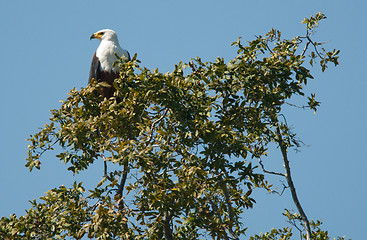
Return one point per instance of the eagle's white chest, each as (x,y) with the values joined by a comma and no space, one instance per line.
(106,55)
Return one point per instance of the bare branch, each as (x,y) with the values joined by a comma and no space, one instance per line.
(230,209)
(281,193)
(305,49)
(105,167)
(309,41)
(270,172)
(294,105)
(288,176)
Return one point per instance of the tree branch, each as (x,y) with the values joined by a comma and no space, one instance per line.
(305,49)
(314,44)
(168,235)
(155,123)
(230,209)
(294,105)
(269,172)
(215,208)
(120,189)
(288,176)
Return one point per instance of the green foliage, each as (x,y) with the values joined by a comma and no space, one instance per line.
(313,21)
(62,213)
(184,142)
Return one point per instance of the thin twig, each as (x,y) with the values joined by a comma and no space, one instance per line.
(105,167)
(309,40)
(269,172)
(305,49)
(155,123)
(281,193)
(94,206)
(49,147)
(294,105)
(294,223)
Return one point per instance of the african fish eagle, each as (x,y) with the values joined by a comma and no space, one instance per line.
(103,59)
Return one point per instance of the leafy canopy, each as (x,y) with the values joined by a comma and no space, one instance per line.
(183,143)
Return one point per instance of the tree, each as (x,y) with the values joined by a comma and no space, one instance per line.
(188,145)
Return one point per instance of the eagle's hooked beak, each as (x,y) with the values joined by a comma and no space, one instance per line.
(97,35)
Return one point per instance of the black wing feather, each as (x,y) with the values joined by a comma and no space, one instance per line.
(95,69)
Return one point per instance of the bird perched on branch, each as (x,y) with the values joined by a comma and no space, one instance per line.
(102,63)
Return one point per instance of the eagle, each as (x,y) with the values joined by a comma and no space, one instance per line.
(102,68)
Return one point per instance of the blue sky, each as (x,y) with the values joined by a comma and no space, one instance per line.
(45,52)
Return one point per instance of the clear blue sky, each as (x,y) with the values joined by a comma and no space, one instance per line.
(45,52)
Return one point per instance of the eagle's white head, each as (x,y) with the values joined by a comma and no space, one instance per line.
(105,34)
(108,48)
